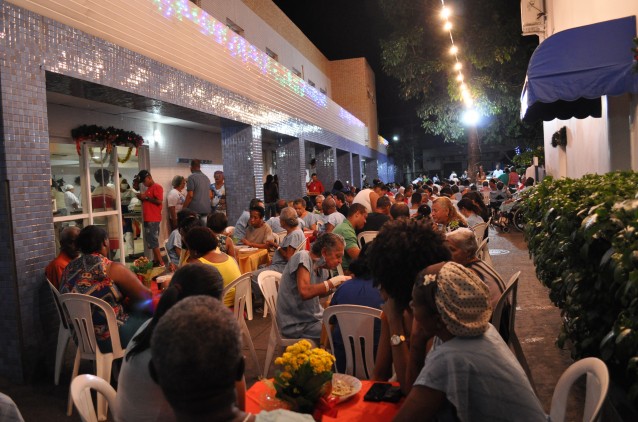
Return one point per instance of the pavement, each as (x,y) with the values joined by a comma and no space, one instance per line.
(537,325)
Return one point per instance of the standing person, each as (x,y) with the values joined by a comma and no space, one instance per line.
(198,194)
(218,190)
(103,199)
(271,195)
(71,201)
(315,187)
(480,175)
(68,252)
(505,176)
(175,200)
(152,214)
(513,179)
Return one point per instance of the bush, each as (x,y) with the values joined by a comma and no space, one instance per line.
(583,236)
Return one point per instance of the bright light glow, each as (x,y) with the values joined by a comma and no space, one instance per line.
(470,117)
(395,138)
(454,49)
(447,26)
(459,77)
(469,102)
(458,66)
(446,12)
(157,135)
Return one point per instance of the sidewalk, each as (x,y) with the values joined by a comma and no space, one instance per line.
(537,325)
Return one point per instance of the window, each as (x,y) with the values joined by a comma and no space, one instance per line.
(296,71)
(272,54)
(234,27)
(323,90)
(311,83)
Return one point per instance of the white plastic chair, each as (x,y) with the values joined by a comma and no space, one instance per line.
(367,236)
(81,387)
(356,323)
(229,231)
(280,236)
(302,246)
(597,387)
(269,284)
(64,333)
(483,252)
(479,232)
(80,310)
(243,290)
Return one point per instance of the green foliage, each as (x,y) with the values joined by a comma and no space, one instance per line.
(525,158)
(584,241)
(494,54)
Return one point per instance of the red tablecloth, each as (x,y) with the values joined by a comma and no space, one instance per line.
(310,237)
(354,409)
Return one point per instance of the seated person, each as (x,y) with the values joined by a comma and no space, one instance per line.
(309,219)
(303,280)
(470,211)
(202,247)
(95,275)
(444,214)
(218,222)
(139,398)
(332,218)
(381,214)
(258,234)
(357,291)
(469,373)
(399,210)
(402,248)
(498,196)
(317,209)
(68,252)
(243,221)
(197,387)
(357,215)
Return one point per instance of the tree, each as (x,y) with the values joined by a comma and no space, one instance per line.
(494,55)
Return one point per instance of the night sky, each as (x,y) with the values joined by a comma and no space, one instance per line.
(343,29)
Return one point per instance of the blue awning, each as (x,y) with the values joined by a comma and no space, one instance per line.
(572,69)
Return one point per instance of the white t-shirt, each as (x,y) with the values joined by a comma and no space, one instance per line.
(481,378)
(176,199)
(363,198)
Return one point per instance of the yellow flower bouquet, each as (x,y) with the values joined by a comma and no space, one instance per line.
(306,376)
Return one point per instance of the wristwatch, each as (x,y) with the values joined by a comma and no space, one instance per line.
(396,339)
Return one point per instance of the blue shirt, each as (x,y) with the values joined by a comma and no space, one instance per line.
(240,227)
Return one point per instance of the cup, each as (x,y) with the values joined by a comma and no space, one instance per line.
(163,281)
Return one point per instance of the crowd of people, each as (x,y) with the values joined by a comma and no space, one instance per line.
(421,270)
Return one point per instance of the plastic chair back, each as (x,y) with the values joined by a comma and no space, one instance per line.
(81,387)
(280,237)
(229,231)
(479,232)
(301,246)
(508,296)
(597,388)
(483,252)
(356,324)
(366,237)
(65,333)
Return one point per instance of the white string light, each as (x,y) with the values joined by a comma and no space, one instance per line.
(446,13)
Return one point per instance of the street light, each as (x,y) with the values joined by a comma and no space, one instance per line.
(395,138)
(470,117)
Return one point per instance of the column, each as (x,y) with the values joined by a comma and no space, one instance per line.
(372,171)
(356,170)
(243,166)
(291,168)
(344,167)
(326,166)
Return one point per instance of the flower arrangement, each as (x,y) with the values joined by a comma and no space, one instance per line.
(143,268)
(109,137)
(306,376)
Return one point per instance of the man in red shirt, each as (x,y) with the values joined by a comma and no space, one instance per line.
(314,186)
(152,212)
(68,252)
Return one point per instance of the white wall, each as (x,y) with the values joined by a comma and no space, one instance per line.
(176,142)
(588,140)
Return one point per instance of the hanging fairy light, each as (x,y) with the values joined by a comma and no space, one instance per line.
(466,96)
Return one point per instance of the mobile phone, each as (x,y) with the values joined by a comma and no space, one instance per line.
(393,395)
(377,391)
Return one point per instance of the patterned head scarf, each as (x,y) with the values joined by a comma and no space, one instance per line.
(462,300)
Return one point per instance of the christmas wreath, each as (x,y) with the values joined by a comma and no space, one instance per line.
(108,137)
(559,138)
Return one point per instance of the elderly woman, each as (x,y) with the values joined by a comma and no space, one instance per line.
(445,214)
(463,246)
(202,247)
(470,211)
(304,279)
(470,373)
(175,199)
(402,248)
(139,398)
(258,233)
(95,275)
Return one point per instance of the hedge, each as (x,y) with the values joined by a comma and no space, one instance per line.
(583,237)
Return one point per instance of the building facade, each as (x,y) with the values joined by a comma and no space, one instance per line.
(182,78)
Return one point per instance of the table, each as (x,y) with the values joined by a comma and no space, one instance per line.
(250,261)
(354,409)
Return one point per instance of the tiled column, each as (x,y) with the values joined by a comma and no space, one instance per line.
(344,167)
(326,166)
(356,170)
(243,166)
(291,168)
(382,171)
(372,171)
(27,242)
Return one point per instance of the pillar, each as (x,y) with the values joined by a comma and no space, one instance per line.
(291,168)
(326,166)
(344,167)
(372,170)
(356,170)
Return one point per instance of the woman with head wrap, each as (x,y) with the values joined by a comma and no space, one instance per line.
(470,373)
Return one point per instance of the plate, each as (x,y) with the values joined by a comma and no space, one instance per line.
(349,381)
(248,249)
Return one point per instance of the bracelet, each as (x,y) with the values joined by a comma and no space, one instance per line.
(325,283)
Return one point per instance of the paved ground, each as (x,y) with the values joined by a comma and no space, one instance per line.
(537,324)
